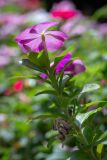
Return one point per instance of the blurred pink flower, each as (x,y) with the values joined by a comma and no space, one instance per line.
(9,23)
(102,29)
(5,55)
(64,10)
(4,61)
(31,38)
(15,19)
(77,26)
(43,75)
(2,3)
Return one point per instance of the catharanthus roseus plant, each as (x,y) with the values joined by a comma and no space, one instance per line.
(72,118)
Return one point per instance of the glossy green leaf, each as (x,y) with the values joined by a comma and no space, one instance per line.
(90,87)
(38,59)
(27,63)
(93,103)
(102,138)
(88,133)
(81,118)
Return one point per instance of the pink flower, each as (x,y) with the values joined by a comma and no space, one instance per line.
(77,26)
(18,86)
(31,38)
(9,23)
(14,19)
(102,29)
(64,14)
(5,55)
(64,10)
(62,63)
(43,75)
(75,67)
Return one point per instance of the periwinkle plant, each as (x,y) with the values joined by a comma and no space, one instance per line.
(71,118)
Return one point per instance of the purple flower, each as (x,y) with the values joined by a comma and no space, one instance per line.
(31,38)
(62,63)
(75,67)
(43,75)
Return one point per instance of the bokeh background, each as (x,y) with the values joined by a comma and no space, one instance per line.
(24,138)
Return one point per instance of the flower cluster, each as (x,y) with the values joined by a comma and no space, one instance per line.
(39,37)
(75,67)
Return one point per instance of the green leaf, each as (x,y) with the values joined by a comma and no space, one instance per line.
(79,155)
(102,138)
(39,59)
(88,133)
(93,103)
(26,62)
(100,13)
(33,58)
(81,118)
(51,134)
(90,87)
(45,116)
(99,148)
(53,92)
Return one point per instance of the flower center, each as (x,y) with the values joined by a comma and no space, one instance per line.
(42,33)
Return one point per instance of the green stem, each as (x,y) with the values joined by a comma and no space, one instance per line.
(92,153)
(46,51)
(51,76)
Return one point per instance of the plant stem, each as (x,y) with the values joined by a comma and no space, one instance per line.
(51,76)
(92,153)
(46,51)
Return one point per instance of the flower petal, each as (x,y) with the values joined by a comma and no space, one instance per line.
(26,35)
(57,34)
(76,67)
(35,45)
(62,63)
(53,43)
(43,75)
(42,27)
(23,47)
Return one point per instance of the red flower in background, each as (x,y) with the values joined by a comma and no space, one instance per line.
(18,86)
(64,14)
(64,10)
